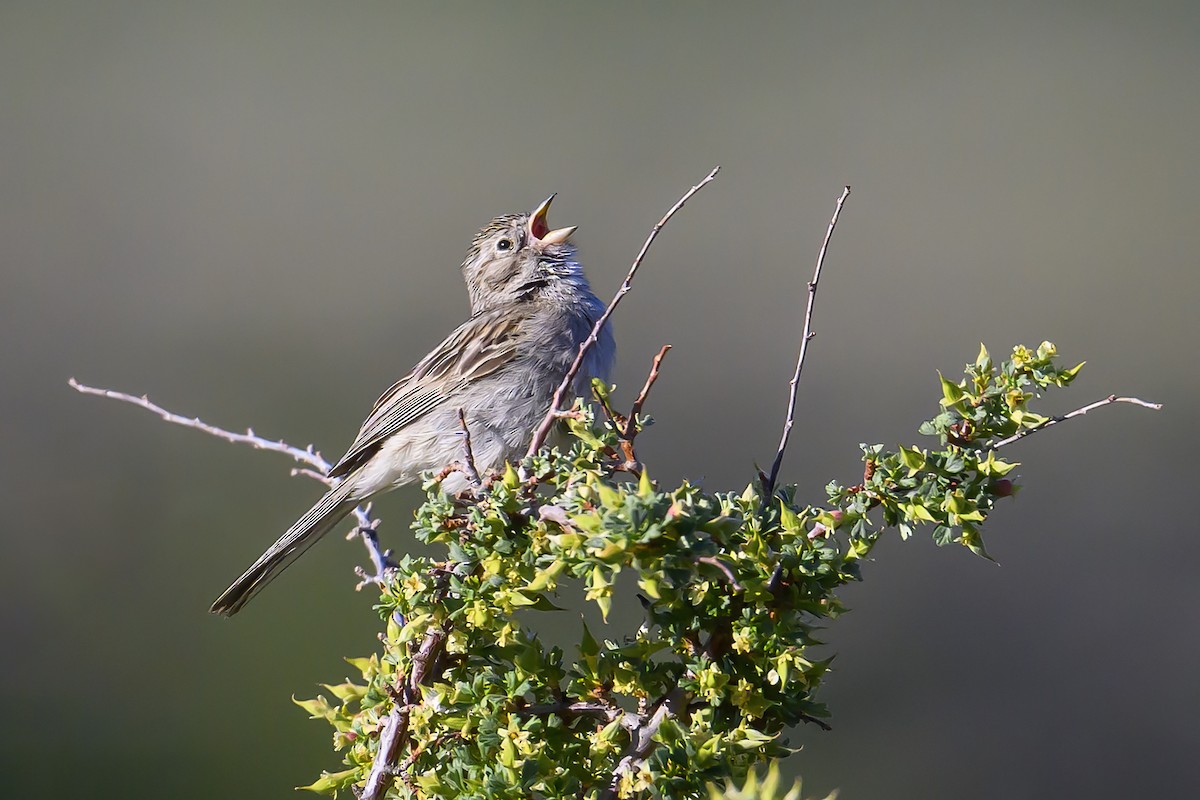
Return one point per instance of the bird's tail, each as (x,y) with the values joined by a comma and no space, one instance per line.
(319,520)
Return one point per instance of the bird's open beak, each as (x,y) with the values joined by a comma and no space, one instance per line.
(539,229)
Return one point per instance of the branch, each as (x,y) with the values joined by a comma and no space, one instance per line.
(631,423)
(406,693)
(1079,412)
(769,488)
(626,427)
(642,742)
(316,467)
(307,456)
(367,530)
(392,736)
(543,430)
(567,708)
(468,464)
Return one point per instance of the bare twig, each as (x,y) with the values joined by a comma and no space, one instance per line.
(315,466)
(1079,412)
(627,427)
(309,473)
(631,423)
(307,456)
(468,460)
(769,488)
(381,560)
(543,430)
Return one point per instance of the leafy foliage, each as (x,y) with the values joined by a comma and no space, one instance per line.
(734,587)
(766,789)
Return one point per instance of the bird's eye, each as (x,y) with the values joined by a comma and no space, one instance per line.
(504,244)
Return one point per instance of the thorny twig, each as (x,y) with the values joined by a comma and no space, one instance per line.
(631,423)
(1079,412)
(315,467)
(769,487)
(543,430)
(307,456)
(381,560)
(626,427)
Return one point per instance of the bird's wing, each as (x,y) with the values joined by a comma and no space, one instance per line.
(476,349)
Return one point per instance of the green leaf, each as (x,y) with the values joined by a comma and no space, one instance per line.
(548,577)
(331,782)
(984,359)
(740,647)
(788,519)
(645,486)
(604,603)
(367,666)
(952,393)
(1068,375)
(346,691)
(317,708)
(609,497)
(913,459)
(650,585)
(542,603)
(707,752)
(994,467)
(588,646)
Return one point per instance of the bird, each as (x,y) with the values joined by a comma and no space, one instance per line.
(531,309)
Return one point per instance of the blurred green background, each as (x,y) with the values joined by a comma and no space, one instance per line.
(255,213)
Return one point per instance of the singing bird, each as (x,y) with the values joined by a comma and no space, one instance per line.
(531,309)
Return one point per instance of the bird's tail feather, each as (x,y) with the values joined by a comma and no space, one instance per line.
(319,520)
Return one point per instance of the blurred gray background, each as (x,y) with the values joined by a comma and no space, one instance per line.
(255,213)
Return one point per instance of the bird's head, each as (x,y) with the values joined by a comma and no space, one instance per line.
(514,255)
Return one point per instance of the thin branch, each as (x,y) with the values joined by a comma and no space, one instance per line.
(769,488)
(543,430)
(392,737)
(610,413)
(309,473)
(568,708)
(631,423)
(626,427)
(307,456)
(1079,412)
(468,460)
(425,664)
(642,743)
(316,467)
(381,560)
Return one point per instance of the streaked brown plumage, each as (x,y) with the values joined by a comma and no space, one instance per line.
(531,309)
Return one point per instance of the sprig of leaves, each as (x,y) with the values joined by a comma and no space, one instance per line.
(734,592)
